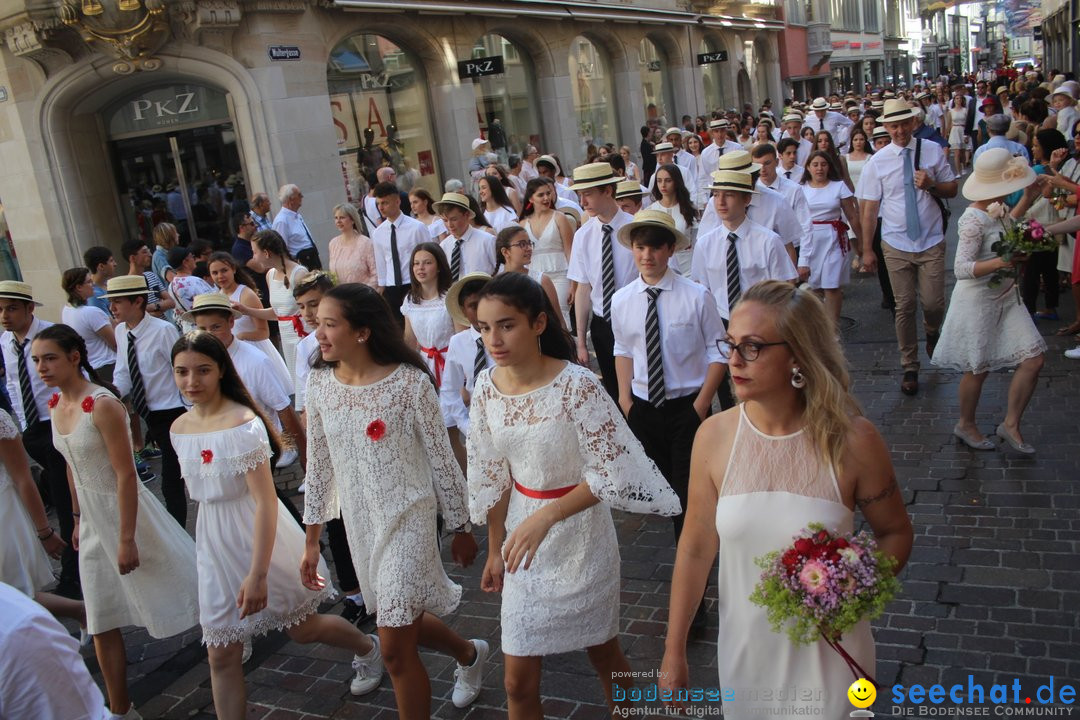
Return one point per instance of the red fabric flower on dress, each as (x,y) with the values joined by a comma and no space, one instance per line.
(54,400)
(207,456)
(88,404)
(376,430)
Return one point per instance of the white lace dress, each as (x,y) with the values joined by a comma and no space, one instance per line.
(774,487)
(285,306)
(986,328)
(554,437)
(159,595)
(245,324)
(215,466)
(549,259)
(433,328)
(24,564)
(379,456)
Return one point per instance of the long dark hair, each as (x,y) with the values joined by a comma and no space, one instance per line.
(72,279)
(527,207)
(429,202)
(240,274)
(868,147)
(686,205)
(497,191)
(232,386)
(416,292)
(71,341)
(478,213)
(834,172)
(365,308)
(521,292)
(270,241)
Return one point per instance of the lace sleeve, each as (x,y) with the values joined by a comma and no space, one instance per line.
(321,500)
(451,492)
(618,471)
(489,471)
(8,428)
(970,230)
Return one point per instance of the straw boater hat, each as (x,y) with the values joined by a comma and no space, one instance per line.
(880,132)
(628,188)
(572,212)
(996,174)
(738,161)
(218,302)
(126,286)
(653,219)
(673,131)
(877,104)
(548,160)
(15,290)
(663,147)
(792,117)
(593,175)
(451,201)
(719,124)
(896,110)
(732,180)
(452,305)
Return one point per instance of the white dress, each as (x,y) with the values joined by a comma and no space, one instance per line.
(433,328)
(215,465)
(500,218)
(985,328)
(159,595)
(774,487)
(549,259)
(682,257)
(24,564)
(829,268)
(379,457)
(245,324)
(285,305)
(557,436)
(957,139)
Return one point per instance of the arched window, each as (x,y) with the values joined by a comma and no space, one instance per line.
(655,85)
(711,75)
(594,95)
(505,103)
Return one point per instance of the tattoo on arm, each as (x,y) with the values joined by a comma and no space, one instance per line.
(886,493)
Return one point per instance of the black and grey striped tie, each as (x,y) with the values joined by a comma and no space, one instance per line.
(138,389)
(734,289)
(652,349)
(607,279)
(455,260)
(30,411)
(481,359)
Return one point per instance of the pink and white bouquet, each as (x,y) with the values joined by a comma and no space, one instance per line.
(1019,238)
(823,585)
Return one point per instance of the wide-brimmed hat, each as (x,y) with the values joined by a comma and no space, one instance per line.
(662,147)
(896,110)
(453,306)
(836,106)
(218,302)
(673,131)
(819,104)
(877,104)
(880,132)
(732,180)
(15,290)
(453,201)
(548,160)
(791,117)
(922,95)
(628,188)
(653,219)
(996,174)
(126,286)
(593,175)
(719,124)
(739,161)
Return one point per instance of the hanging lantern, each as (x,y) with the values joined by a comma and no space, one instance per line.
(92,8)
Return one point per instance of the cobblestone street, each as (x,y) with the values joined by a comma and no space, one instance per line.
(992,589)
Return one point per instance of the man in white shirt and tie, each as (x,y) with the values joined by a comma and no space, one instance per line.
(907,198)
(764,155)
(291,226)
(468,249)
(394,240)
(793,125)
(721,143)
(683,158)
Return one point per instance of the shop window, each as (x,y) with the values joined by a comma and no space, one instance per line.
(594,96)
(506,108)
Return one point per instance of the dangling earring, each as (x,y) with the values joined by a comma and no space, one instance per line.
(798,381)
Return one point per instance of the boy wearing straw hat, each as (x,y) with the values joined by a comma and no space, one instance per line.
(468,249)
(29,398)
(628,195)
(466,357)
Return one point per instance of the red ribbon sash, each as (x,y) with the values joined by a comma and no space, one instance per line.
(437,354)
(297,323)
(841,228)
(543,494)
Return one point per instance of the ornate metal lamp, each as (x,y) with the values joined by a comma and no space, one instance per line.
(129,30)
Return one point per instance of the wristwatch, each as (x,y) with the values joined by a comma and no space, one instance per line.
(467,527)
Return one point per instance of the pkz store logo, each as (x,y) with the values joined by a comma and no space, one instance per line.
(1052,699)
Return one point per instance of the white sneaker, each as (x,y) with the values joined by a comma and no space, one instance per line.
(247,652)
(131,714)
(467,679)
(369,670)
(1073,354)
(288,457)
(302,489)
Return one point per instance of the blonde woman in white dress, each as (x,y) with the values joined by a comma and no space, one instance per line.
(552,236)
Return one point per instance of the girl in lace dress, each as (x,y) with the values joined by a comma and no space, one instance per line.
(136,563)
(549,453)
(249,550)
(987,328)
(379,457)
(795,451)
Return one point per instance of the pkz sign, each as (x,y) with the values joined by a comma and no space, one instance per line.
(167,108)
(481,67)
(710,58)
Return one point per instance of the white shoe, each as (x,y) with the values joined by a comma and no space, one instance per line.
(288,457)
(467,679)
(247,652)
(131,714)
(1073,354)
(302,489)
(85,638)
(369,670)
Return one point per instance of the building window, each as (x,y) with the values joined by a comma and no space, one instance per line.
(712,76)
(871,16)
(507,98)
(796,12)
(594,96)
(655,87)
(845,14)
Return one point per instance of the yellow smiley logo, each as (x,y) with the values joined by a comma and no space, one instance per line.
(862,693)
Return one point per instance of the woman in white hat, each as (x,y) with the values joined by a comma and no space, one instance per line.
(987,328)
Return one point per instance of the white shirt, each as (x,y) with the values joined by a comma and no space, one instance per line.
(477,251)
(793,193)
(42,392)
(42,674)
(528,171)
(685,160)
(154,339)
(689,329)
(291,226)
(587,258)
(796,171)
(87,320)
(500,217)
(710,159)
(833,122)
(371,212)
(767,208)
(935,117)
(561,202)
(410,233)
(460,359)
(307,346)
(259,378)
(1066,118)
(566,193)
(882,180)
(761,257)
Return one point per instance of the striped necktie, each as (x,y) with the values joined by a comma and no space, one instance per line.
(653,352)
(481,359)
(138,389)
(30,411)
(455,260)
(607,279)
(734,289)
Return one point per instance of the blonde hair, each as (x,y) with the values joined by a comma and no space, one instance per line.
(165,235)
(803,323)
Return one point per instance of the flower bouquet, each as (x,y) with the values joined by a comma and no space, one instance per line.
(824,585)
(1018,238)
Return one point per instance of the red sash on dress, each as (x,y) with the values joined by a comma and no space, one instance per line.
(297,323)
(437,355)
(543,494)
(841,228)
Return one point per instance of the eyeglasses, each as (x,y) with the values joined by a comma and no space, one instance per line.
(748,349)
(523,244)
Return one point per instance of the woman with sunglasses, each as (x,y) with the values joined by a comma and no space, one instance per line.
(795,451)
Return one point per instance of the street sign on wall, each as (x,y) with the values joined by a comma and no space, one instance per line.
(481,67)
(713,57)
